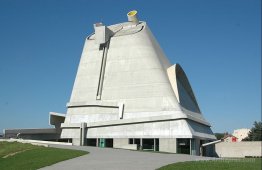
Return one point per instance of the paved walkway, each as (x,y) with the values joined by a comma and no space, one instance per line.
(119,159)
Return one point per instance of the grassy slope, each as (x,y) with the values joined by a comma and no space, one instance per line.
(240,164)
(34,158)
(12,147)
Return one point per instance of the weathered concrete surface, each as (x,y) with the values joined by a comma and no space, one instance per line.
(118,159)
(126,82)
(37,142)
(122,143)
(167,145)
(238,149)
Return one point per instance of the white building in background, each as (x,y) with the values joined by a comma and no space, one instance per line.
(241,134)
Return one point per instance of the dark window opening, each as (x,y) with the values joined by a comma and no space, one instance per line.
(91,142)
(183,146)
(109,143)
(137,141)
(203,148)
(130,141)
(148,144)
(157,144)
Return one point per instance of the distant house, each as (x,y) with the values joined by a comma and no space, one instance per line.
(229,138)
(241,134)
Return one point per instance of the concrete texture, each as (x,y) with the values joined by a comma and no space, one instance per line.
(238,149)
(118,159)
(118,143)
(36,142)
(135,74)
(125,87)
(167,145)
(128,68)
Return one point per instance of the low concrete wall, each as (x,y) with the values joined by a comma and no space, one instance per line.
(76,141)
(128,146)
(36,142)
(122,143)
(34,134)
(167,145)
(238,149)
(119,142)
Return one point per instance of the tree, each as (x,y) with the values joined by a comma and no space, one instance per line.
(220,135)
(255,132)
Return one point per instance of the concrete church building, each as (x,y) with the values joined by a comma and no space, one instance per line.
(128,95)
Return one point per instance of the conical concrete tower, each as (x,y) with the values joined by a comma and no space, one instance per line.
(127,94)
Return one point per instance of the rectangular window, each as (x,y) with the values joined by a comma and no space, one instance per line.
(137,141)
(91,141)
(183,146)
(130,141)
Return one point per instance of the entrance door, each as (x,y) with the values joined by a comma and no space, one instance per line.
(106,142)
(102,142)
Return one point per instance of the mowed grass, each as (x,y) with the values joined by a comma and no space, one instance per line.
(230,164)
(27,156)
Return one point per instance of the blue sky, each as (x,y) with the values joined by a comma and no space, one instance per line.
(217,42)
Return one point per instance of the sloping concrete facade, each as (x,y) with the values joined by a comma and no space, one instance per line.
(126,88)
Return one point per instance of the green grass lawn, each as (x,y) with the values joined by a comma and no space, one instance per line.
(27,156)
(230,164)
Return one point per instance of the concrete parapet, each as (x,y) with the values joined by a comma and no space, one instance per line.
(128,146)
(37,142)
(238,149)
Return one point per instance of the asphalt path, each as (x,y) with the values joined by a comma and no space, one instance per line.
(119,159)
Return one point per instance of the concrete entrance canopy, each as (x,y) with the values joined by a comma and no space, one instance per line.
(52,134)
(56,119)
(125,87)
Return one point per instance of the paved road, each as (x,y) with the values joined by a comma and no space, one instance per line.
(118,159)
